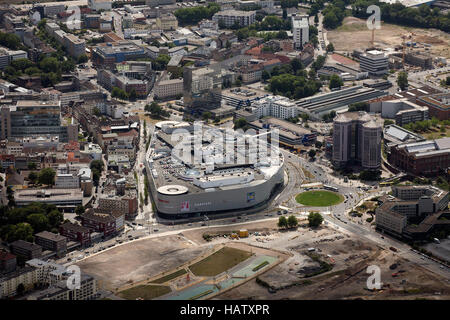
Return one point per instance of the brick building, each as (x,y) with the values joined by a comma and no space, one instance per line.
(25,250)
(75,232)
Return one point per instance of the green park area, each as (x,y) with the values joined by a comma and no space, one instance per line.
(319,198)
(170,276)
(219,262)
(146,292)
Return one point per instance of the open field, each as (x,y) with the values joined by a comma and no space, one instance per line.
(146,292)
(319,198)
(219,262)
(353,34)
(139,260)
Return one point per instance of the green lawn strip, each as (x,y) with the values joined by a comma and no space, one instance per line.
(201,295)
(169,276)
(260,266)
(319,198)
(146,292)
(219,262)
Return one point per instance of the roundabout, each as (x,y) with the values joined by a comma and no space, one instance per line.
(319,198)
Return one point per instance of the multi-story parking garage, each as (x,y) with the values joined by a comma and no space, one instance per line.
(181,187)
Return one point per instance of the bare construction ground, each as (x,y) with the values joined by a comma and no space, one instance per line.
(262,227)
(353,34)
(347,279)
(139,260)
(335,269)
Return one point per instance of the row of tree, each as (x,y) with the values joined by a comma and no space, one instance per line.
(315,219)
(290,222)
(421,17)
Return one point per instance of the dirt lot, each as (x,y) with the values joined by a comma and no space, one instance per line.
(265,226)
(139,260)
(347,279)
(353,34)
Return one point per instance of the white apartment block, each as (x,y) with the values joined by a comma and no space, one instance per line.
(67,181)
(9,282)
(74,45)
(169,88)
(230,17)
(60,291)
(47,272)
(7,56)
(393,221)
(300,30)
(275,106)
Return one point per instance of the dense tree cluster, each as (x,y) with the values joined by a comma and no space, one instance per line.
(116,92)
(290,222)
(22,223)
(292,81)
(334,14)
(425,125)
(422,17)
(359,106)
(335,81)
(370,175)
(49,69)
(318,64)
(196,14)
(155,110)
(289,3)
(269,23)
(402,80)
(161,62)
(315,219)
(316,7)
(97,168)
(10,40)
(241,123)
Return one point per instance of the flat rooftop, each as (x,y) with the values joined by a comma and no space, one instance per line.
(171,174)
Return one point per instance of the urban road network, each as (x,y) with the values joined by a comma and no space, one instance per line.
(149,225)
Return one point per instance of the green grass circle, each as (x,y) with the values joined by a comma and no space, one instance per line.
(319,198)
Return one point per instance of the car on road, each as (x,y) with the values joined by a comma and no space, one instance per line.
(234,220)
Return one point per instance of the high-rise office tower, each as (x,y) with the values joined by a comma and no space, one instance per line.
(356,139)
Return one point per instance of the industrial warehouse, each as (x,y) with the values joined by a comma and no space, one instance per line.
(181,188)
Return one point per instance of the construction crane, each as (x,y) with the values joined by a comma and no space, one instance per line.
(404,37)
(403,51)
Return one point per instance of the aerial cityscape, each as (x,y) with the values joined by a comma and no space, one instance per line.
(225,150)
